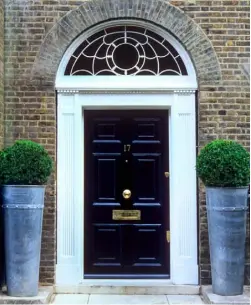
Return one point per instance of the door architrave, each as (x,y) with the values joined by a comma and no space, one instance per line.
(175,93)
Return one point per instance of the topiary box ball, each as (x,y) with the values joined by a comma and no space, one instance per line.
(25,163)
(224,163)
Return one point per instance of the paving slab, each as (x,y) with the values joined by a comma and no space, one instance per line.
(184,299)
(211,298)
(71,299)
(43,297)
(100,299)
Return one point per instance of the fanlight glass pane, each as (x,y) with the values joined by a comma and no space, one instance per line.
(125,50)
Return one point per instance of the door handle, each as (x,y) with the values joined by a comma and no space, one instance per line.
(126,194)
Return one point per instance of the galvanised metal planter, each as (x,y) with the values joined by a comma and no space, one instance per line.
(1,249)
(23,214)
(226,212)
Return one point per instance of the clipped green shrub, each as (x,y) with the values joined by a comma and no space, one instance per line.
(25,163)
(224,163)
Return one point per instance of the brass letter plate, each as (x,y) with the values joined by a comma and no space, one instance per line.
(126,214)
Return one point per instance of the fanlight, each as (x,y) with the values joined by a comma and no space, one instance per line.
(125,50)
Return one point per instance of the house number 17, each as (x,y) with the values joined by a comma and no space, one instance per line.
(127,147)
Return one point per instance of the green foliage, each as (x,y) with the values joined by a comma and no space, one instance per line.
(224,163)
(25,163)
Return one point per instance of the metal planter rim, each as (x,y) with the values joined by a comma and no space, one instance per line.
(24,185)
(227,187)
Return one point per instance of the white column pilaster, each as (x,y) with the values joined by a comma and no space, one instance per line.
(183,206)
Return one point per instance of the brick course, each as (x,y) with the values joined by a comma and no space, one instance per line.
(37,32)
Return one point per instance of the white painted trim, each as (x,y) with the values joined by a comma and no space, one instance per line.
(183,206)
(77,93)
(120,83)
(183,202)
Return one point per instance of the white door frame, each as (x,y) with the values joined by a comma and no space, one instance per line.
(79,93)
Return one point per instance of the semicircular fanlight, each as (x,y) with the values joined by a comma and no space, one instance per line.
(125,50)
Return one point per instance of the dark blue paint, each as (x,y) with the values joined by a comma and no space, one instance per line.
(126,150)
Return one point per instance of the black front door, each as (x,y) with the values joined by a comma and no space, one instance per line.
(126,194)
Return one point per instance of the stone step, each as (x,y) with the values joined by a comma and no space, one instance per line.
(113,299)
(129,289)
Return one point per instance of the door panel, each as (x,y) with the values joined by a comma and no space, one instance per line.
(103,255)
(143,254)
(126,150)
(106,170)
(145,178)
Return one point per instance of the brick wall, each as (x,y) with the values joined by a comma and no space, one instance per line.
(30,106)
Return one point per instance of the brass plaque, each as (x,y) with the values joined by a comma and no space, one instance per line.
(126,214)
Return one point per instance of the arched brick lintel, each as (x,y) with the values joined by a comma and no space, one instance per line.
(160,12)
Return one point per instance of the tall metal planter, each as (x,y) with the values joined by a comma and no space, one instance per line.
(23,214)
(226,212)
(2,268)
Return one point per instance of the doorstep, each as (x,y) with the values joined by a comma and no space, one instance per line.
(151,288)
(44,295)
(113,299)
(210,298)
